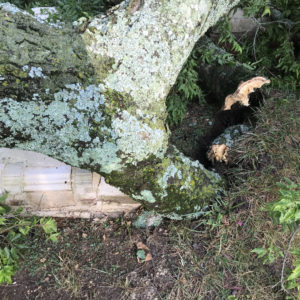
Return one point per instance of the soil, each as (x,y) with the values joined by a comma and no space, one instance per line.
(95,261)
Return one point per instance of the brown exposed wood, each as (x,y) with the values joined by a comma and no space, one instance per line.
(244,89)
(218,153)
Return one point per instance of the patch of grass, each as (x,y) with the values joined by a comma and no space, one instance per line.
(216,261)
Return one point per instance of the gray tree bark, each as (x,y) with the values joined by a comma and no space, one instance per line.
(94,96)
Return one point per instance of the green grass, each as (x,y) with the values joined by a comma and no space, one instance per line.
(225,266)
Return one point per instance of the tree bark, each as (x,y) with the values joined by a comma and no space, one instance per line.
(93,96)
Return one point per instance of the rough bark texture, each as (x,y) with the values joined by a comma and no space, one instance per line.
(96,99)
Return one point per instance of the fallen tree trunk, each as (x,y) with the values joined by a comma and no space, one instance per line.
(93,96)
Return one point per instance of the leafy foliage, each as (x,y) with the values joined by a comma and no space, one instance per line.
(185,90)
(274,48)
(269,254)
(227,37)
(285,211)
(295,274)
(13,232)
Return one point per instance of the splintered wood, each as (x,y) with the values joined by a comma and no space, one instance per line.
(243,91)
(219,153)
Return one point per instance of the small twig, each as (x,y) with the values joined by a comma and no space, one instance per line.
(254,40)
(261,24)
(9,228)
(285,258)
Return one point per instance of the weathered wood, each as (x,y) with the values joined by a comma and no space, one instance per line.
(94,96)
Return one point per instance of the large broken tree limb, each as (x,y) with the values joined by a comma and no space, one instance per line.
(94,96)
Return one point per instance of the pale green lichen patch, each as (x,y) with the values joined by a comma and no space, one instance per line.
(173,187)
(146,196)
(148,219)
(186,185)
(149,46)
(75,128)
(34,71)
(230,135)
(139,47)
(136,139)
(169,174)
(10,8)
(62,128)
(179,168)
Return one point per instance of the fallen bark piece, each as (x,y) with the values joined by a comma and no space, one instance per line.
(244,89)
(142,246)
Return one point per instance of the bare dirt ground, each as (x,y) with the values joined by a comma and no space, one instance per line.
(98,261)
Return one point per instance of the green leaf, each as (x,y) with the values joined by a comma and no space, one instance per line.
(295,274)
(297,215)
(291,284)
(53,237)
(260,252)
(3,197)
(296,263)
(25,230)
(267,11)
(6,273)
(15,237)
(2,210)
(7,252)
(49,226)
(295,252)
(18,210)
(141,254)
(270,258)
(14,253)
(21,246)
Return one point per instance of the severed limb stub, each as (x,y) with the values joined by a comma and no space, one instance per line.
(219,152)
(243,91)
